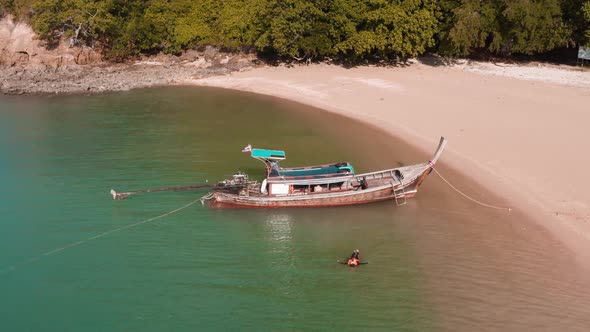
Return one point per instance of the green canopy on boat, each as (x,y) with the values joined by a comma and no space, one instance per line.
(272,155)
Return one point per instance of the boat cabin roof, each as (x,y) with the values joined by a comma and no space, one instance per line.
(269,155)
(301,181)
(277,173)
(325,172)
(315,171)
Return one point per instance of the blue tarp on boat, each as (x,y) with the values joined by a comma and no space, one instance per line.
(343,167)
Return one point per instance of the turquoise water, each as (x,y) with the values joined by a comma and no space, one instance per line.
(72,259)
(197,269)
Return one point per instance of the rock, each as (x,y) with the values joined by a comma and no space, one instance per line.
(189,56)
(27,67)
(19,45)
(210,53)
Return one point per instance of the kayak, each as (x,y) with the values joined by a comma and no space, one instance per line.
(353,262)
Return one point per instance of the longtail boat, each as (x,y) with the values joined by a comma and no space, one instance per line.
(315,186)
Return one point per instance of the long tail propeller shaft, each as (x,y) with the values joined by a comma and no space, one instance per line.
(119,196)
(220,186)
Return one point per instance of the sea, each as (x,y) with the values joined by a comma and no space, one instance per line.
(73,259)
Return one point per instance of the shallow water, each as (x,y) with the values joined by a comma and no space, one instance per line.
(438,263)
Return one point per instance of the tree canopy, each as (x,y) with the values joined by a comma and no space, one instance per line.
(349,30)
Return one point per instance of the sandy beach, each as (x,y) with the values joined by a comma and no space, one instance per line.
(519,131)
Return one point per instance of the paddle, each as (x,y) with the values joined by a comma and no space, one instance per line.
(346,263)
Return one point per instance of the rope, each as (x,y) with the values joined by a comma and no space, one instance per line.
(465,195)
(207,197)
(55,251)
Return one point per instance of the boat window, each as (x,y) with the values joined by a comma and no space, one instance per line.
(300,188)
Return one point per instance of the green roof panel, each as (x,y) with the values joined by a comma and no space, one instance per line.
(274,155)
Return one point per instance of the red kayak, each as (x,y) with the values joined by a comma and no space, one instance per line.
(352,262)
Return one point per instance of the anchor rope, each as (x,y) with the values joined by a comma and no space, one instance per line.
(207,197)
(73,244)
(465,195)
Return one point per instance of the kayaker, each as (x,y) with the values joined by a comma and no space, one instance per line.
(354,259)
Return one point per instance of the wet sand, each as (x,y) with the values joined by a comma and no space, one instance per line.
(512,143)
(521,139)
(483,269)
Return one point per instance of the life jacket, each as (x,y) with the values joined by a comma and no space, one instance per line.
(353,262)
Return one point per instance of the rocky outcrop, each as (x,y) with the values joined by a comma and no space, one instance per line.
(26,66)
(19,46)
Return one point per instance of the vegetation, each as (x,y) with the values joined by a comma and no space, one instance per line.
(586,13)
(347,30)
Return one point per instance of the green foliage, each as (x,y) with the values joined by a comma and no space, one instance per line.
(240,23)
(505,27)
(18,8)
(294,28)
(390,28)
(83,22)
(6,6)
(535,26)
(350,30)
(586,13)
(194,22)
(475,25)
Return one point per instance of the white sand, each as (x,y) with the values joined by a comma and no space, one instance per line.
(522,132)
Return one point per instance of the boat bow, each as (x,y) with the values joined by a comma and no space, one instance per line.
(441,146)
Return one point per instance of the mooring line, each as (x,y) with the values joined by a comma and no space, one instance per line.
(467,196)
(31,260)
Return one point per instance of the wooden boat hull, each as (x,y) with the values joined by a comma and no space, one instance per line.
(351,197)
(391,184)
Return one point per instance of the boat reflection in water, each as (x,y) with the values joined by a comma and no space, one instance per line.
(282,252)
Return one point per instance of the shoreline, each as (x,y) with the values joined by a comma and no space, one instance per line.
(67,79)
(483,109)
(27,67)
(506,134)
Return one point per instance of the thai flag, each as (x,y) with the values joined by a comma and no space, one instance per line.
(247,148)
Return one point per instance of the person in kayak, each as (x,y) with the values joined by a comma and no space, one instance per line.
(354,259)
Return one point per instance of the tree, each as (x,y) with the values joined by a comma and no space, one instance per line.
(586,11)
(351,30)
(194,22)
(472,25)
(535,26)
(504,27)
(82,22)
(391,28)
(296,29)
(240,23)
